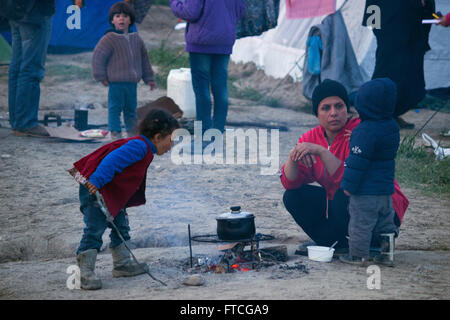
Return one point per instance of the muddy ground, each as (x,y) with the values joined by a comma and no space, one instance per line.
(41,225)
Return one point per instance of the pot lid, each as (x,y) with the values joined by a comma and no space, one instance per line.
(235,213)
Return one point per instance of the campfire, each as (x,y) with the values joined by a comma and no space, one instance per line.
(239,256)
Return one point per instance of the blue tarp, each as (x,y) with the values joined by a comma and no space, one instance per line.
(70,34)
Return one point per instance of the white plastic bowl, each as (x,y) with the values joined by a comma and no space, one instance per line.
(321,254)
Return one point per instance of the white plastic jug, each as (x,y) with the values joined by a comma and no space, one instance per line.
(179,88)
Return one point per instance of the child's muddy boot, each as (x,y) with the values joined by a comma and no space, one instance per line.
(124,266)
(86,262)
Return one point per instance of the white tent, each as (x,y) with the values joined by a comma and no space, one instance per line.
(280,51)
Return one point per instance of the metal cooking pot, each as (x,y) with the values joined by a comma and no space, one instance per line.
(235,225)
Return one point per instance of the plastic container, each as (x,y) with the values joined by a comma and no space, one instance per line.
(179,88)
(321,254)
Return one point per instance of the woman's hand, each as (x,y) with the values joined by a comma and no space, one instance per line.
(92,189)
(306,152)
(347,134)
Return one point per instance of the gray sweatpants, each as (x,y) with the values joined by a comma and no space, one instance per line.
(370,215)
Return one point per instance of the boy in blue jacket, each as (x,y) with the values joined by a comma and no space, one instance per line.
(370,168)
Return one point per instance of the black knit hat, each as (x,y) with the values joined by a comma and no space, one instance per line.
(328,88)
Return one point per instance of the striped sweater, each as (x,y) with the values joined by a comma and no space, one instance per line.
(121,58)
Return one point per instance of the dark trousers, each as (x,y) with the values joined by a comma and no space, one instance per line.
(122,97)
(96,224)
(308,204)
(370,216)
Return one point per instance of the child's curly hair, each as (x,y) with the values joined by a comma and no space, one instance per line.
(158,121)
(122,7)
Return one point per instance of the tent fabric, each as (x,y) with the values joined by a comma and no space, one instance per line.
(338,58)
(281,51)
(70,34)
(92,25)
(5,51)
(297,9)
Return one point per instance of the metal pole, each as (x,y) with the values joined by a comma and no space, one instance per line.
(190,246)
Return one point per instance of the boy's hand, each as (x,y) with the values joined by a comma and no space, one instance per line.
(152,85)
(105,83)
(348,194)
(92,189)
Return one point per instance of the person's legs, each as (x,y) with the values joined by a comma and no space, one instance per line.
(363,218)
(91,241)
(95,221)
(219,77)
(385,222)
(13,71)
(201,79)
(33,50)
(307,205)
(116,102)
(129,110)
(123,265)
(121,222)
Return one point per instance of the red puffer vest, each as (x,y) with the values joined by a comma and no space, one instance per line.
(127,189)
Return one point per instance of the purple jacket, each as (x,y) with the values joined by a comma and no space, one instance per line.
(211,23)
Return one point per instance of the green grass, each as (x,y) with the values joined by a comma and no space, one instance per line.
(67,72)
(251,94)
(416,167)
(433,103)
(167,59)
(162,2)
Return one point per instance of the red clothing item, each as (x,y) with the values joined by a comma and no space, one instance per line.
(340,149)
(447,19)
(127,189)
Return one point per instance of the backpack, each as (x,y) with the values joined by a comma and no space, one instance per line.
(15,9)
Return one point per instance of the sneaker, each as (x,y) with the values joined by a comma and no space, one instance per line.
(37,131)
(403,124)
(116,135)
(358,261)
(303,248)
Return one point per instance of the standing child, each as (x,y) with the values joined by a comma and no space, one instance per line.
(119,61)
(118,170)
(370,168)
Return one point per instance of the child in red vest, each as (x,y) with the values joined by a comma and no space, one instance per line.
(118,170)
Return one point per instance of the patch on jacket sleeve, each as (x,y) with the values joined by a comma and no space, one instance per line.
(356,150)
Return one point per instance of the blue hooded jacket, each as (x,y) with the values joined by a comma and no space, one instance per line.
(370,166)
